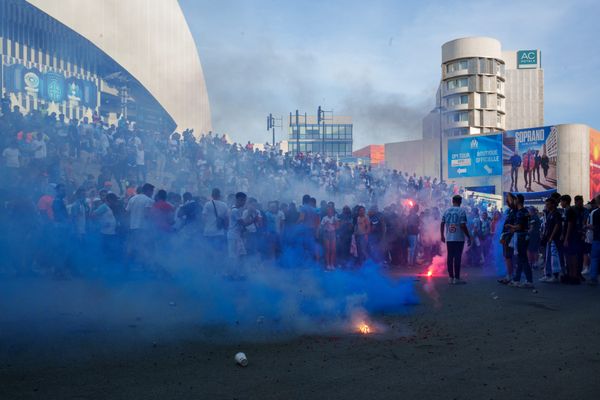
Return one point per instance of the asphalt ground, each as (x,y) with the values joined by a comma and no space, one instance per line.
(480,340)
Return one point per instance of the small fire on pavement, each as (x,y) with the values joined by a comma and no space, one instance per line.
(364,329)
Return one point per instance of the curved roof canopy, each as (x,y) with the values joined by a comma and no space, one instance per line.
(152,41)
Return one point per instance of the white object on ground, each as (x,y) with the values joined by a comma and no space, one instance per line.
(241,359)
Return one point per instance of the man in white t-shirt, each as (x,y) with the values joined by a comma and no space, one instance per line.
(39,147)
(454,230)
(215,215)
(138,208)
(12,156)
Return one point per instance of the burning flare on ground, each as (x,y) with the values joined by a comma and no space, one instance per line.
(364,328)
(430,273)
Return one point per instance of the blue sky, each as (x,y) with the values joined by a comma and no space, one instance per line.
(379,61)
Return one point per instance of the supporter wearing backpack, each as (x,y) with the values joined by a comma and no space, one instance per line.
(215,216)
(520,228)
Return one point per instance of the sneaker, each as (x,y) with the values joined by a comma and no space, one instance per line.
(458,281)
(544,278)
(551,279)
(514,284)
(503,281)
(526,285)
(450,281)
(586,271)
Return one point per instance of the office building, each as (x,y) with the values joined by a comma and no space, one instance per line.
(330,136)
(524,89)
(484,89)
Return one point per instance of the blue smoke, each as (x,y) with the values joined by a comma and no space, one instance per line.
(186,286)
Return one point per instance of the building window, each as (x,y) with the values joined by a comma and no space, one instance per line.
(457,66)
(500,68)
(499,85)
(458,83)
(456,100)
(462,116)
(485,66)
(456,132)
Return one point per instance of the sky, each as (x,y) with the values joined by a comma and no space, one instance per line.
(378,61)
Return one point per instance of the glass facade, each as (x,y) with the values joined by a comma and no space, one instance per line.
(333,140)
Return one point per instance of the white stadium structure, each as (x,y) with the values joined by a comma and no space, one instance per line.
(113,57)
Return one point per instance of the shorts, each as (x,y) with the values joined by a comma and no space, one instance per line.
(507,251)
(329,236)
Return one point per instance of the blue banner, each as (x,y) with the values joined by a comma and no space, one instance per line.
(475,156)
(54,87)
(50,86)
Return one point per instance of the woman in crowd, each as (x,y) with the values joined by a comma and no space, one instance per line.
(329,226)
(362,228)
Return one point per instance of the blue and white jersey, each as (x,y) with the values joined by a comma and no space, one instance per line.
(453,218)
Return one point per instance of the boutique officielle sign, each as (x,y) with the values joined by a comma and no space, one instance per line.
(475,156)
(527,59)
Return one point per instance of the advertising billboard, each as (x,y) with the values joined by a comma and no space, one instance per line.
(529,162)
(475,156)
(594,163)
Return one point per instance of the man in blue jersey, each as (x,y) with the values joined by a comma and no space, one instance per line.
(453,230)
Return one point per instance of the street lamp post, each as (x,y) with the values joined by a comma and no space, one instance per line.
(321,118)
(440,110)
(272,123)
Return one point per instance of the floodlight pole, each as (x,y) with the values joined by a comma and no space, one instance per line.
(272,123)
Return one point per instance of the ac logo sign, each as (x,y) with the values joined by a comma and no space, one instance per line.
(527,59)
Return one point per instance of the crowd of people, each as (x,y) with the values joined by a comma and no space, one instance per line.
(78,180)
(77,187)
(564,243)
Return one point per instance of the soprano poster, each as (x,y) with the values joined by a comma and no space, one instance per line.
(594,163)
(529,162)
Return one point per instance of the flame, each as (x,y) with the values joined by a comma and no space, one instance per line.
(364,329)
(409,203)
(430,273)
